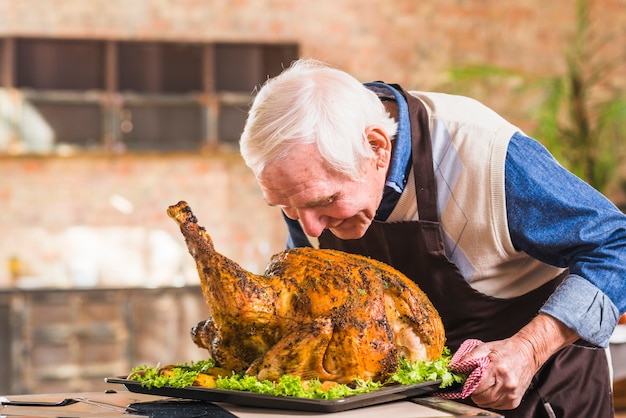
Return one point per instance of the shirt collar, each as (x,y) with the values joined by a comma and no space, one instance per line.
(401,156)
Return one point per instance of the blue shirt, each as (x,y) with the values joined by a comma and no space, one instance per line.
(557,218)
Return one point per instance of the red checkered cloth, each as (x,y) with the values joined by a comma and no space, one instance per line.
(475,368)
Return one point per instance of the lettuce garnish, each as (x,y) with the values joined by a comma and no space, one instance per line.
(184,374)
(409,373)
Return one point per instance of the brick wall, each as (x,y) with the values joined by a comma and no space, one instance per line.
(412,42)
(57,210)
(70,219)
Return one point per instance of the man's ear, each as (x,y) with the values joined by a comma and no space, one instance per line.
(380,143)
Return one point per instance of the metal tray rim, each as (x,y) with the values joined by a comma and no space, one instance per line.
(383,395)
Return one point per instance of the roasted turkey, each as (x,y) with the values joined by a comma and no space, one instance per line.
(314,313)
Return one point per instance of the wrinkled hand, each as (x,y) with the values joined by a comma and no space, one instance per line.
(508,375)
(514,361)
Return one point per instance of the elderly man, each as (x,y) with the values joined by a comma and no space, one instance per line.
(511,248)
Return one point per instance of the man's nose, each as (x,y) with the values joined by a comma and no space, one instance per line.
(312,222)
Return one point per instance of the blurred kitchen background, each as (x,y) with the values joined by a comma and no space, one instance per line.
(112,110)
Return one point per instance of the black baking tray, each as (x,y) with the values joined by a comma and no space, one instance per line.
(383,395)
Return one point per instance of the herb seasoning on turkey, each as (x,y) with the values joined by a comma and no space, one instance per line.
(313,314)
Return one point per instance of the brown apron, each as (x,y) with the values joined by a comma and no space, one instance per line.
(575,381)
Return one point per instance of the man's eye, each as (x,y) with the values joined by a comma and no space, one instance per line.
(327,202)
(332,199)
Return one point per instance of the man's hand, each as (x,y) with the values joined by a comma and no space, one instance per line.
(515,360)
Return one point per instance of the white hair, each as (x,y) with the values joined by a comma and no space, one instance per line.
(312,103)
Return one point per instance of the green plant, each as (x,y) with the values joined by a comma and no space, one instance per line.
(580,115)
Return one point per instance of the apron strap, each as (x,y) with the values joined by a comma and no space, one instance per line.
(422,153)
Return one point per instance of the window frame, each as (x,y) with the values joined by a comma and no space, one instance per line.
(203,62)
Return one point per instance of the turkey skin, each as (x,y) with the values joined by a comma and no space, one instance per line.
(314,313)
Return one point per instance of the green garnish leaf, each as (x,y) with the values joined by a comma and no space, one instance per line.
(179,375)
(409,373)
(183,375)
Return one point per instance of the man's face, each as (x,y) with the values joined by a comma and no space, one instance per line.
(305,188)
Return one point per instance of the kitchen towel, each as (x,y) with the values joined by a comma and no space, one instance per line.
(475,368)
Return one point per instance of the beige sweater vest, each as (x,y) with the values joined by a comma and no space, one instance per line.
(469,150)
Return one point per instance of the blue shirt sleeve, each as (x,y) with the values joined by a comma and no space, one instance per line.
(559,219)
